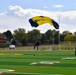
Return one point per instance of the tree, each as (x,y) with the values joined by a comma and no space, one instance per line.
(8,35)
(49,36)
(20,35)
(62,37)
(56,37)
(64,33)
(43,39)
(13,42)
(71,39)
(33,35)
(75,33)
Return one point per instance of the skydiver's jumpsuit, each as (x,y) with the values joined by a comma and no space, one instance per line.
(37,44)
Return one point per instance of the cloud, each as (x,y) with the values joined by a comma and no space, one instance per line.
(17,10)
(58,6)
(16,17)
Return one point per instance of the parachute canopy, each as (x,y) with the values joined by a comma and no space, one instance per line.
(39,20)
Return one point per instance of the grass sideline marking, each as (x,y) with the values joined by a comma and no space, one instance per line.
(35,73)
(69,58)
(45,62)
(15,54)
(5,70)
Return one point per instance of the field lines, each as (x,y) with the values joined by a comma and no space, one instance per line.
(34,73)
(38,62)
(5,70)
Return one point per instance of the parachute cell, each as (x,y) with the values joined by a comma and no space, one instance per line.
(39,20)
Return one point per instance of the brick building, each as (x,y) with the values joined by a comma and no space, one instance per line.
(2,40)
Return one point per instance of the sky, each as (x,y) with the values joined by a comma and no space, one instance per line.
(15,14)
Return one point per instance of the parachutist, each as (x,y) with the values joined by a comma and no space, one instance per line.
(37,45)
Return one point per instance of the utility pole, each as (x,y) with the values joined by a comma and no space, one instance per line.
(59,34)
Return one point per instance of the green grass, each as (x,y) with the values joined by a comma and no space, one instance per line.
(20,60)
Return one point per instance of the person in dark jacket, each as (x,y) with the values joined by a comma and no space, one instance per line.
(37,45)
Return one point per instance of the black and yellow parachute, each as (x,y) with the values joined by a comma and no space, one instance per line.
(39,20)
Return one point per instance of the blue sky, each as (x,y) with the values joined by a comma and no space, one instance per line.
(19,9)
(67,5)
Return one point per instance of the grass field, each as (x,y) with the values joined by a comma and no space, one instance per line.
(13,62)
